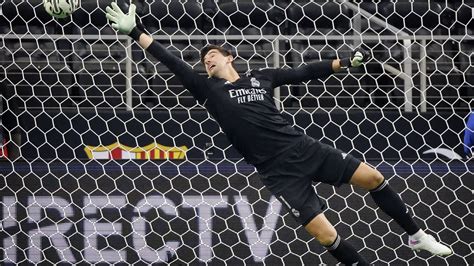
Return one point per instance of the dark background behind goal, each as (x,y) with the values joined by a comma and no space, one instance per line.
(68,79)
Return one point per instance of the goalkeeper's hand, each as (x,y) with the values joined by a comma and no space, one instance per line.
(124,23)
(358,57)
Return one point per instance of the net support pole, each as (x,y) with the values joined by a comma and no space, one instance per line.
(128,76)
(423,76)
(407,68)
(408,81)
(357,26)
(276,63)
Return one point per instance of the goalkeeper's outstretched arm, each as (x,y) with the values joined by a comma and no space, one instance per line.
(316,70)
(126,24)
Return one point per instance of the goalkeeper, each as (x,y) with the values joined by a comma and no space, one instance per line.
(287,160)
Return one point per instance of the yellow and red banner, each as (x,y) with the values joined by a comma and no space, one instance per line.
(153,151)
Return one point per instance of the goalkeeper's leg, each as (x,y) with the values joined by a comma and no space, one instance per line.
(391,203)
(326,234)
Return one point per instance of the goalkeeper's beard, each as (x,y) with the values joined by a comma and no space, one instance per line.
(223,72)
(216,73)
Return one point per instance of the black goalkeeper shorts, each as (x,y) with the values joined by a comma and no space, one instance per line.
(290,179)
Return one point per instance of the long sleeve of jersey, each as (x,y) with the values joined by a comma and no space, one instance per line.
(316,70)
(191,80)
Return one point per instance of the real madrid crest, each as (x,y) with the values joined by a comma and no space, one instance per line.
(254,82)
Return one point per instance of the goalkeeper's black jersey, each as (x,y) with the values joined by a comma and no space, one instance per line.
(245,109)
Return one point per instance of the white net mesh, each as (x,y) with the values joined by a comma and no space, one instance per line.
(107,158)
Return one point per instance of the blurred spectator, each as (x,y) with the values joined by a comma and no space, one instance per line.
(469,135)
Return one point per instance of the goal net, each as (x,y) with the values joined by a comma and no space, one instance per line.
(106,158)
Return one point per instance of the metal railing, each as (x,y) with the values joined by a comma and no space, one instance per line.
(407,71)
(405,74)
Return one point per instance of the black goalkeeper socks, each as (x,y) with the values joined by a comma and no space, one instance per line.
(391,203)
(345,253)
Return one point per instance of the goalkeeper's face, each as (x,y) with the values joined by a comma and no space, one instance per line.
(217,64)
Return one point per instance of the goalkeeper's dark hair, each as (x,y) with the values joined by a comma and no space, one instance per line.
(209,47)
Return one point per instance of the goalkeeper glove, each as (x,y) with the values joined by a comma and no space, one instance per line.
(124,23)
(358,57)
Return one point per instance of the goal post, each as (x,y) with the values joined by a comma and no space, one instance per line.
(106,158)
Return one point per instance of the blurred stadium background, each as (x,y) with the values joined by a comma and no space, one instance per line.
(107,159)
